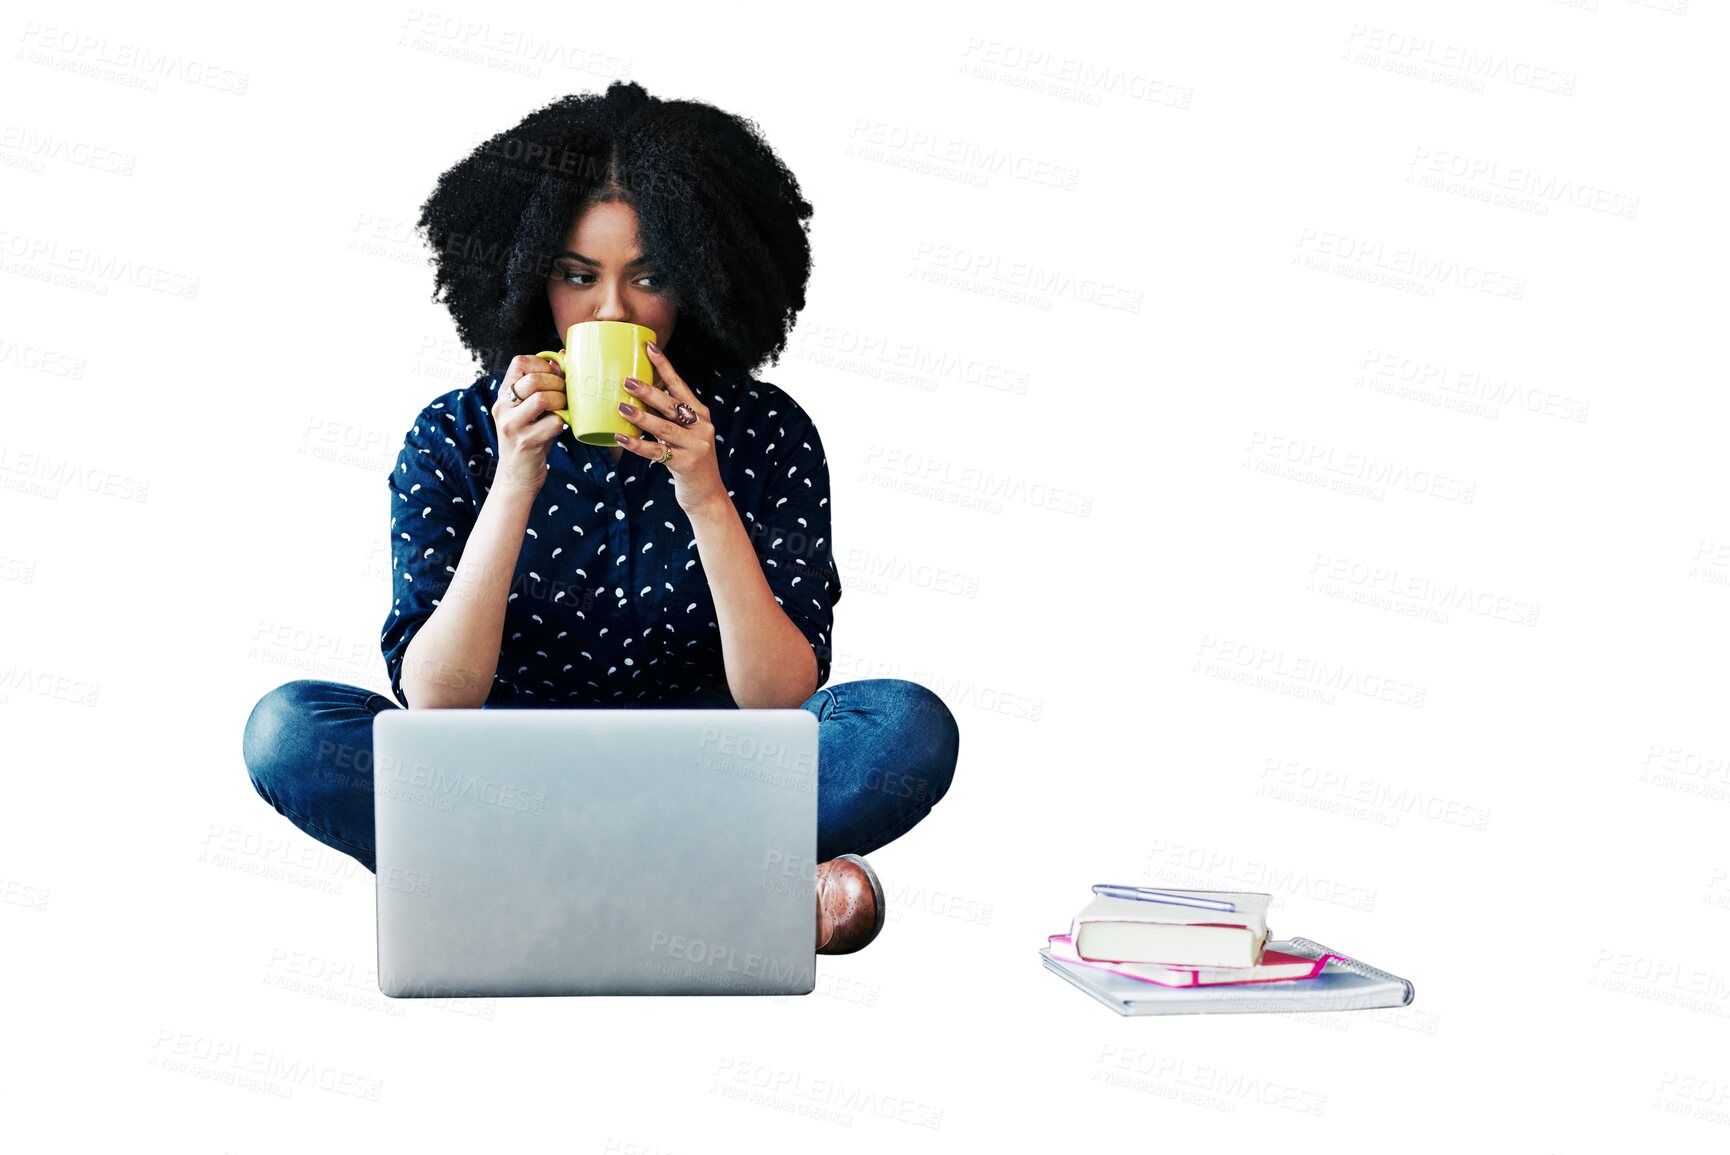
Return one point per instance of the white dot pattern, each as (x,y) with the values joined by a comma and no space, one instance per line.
(609,601)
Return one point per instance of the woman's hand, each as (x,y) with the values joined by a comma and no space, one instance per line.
(527,429)
(695,467)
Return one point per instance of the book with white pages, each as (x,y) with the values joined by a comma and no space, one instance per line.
(1113,929)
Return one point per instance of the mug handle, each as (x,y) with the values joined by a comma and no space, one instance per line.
(567,415)
(557,357)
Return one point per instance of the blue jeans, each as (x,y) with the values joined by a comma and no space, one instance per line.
(886,751)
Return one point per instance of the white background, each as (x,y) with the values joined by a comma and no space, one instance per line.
(1288,437)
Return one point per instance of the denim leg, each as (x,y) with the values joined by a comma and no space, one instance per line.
(887,750)
(308,750)
(886,753)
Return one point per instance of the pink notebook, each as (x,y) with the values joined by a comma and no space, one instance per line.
(1275,967)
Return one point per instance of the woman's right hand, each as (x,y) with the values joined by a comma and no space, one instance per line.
(527,429)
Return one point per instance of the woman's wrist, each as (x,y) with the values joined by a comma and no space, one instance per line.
(716,510)
(512,492)
(458,645)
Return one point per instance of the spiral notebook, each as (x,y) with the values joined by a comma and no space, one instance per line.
(1344,984)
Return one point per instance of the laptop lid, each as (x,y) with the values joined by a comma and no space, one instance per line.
(595,851)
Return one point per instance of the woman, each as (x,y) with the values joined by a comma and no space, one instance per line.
(688,567)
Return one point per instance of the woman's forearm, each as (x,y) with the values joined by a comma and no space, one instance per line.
(769,663)
(452,659)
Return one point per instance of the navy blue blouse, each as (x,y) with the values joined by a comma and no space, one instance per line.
(609,604)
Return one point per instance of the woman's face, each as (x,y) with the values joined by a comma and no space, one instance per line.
(601,275)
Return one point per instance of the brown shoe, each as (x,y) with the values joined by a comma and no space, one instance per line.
(849,905)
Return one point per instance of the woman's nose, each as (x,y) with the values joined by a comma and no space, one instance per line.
(611,306)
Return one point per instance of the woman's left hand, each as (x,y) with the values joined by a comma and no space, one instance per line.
(694,464)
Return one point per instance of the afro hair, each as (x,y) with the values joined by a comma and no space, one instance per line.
(717,212)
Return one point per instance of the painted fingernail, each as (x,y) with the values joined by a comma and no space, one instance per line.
(632,384)
(627,410)
(620,438)
(653,348)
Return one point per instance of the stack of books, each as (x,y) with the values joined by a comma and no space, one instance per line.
(1142,950)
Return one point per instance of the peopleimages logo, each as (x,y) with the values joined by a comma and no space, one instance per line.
(1523,180)
(1182,864)
(231,1061)
(443,784)
(1396,799)
(1421,55)
(137,65)
(1365,470)
(1273,667)
(993,268)
(102,269)
(1413,263)
(1469,383)
(1231,1086)
(929,470)
(820,1097)
(1369,579)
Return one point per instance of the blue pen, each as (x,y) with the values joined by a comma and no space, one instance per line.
(1148,894)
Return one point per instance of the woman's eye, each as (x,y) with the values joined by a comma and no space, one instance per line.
(570,277)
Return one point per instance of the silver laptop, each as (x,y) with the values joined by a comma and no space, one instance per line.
(596,851)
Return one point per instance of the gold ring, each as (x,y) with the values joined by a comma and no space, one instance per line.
(666,456)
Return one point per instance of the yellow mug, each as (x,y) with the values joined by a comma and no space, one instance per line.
(596,359)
